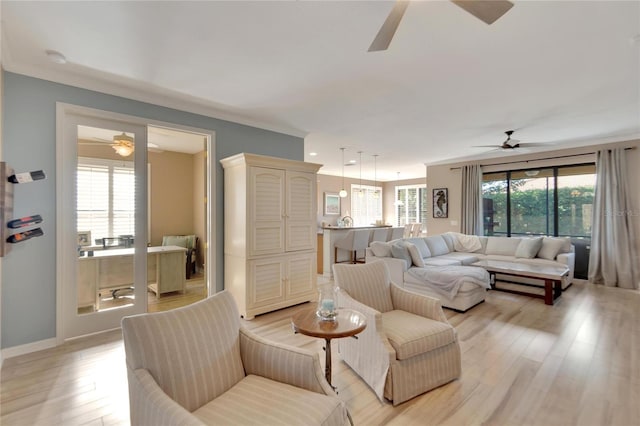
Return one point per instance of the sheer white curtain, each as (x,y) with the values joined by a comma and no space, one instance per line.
(613,259)
(472,200)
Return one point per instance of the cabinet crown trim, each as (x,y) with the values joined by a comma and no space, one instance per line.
(270,162)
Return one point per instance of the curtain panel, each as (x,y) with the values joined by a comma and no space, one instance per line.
(471,217)
(613,257)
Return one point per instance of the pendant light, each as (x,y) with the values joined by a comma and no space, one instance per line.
(360,193)
(375,177)
(343,192)
(398,202)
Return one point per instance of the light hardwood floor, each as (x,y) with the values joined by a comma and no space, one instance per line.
(523,363)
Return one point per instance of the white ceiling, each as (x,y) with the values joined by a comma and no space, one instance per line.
(566,73)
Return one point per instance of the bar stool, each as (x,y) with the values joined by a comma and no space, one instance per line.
(408,228)
(380,234)
(356,239)
(396,233)
(416,230)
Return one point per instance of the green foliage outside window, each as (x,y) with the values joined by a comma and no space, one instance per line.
(532,205)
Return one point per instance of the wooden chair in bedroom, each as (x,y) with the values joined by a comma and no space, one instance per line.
(190,242)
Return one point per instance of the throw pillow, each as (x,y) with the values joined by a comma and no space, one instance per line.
(551,247)
(449,239)
(400,251)
(380,249)
(483,244)
(416,257)
(437,245)
(529,247)
(502,246)
(421,245)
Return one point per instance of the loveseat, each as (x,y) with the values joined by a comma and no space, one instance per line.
(419,264)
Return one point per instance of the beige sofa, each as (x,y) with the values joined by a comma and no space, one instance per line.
(451,252)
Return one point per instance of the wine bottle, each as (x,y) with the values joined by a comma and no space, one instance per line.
(25,235)
(24,221)
(26,177)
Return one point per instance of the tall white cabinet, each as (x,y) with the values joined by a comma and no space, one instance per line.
(270,232)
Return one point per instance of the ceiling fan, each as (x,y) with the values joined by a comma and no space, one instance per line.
(122,144)
(512,143)
(487,11)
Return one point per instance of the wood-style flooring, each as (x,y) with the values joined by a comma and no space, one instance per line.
(523,363)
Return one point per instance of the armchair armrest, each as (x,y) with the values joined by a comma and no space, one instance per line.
(425,306)
(371,354)
(282,363)
(151,406)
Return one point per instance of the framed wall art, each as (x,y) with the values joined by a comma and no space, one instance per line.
(84,238)
(331,204)
(440,203)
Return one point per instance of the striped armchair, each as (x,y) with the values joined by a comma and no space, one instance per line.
(197,365)
(408,347)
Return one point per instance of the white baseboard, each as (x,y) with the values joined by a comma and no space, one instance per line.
(28,348)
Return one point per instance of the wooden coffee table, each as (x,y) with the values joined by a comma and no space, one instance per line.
(551,275)
(348,323)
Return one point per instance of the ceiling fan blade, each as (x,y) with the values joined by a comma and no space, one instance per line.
(534,144)
(388,29)
(487,11)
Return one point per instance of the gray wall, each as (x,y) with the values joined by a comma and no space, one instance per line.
(29,143)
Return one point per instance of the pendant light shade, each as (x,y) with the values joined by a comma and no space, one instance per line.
(343,192)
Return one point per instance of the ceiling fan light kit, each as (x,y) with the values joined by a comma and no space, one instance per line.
(488,11)
(123,145)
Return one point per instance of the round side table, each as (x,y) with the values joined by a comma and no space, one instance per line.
(348,323)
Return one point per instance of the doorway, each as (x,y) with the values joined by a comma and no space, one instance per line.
(131,193)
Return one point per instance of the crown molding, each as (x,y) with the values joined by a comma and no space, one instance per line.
(142,92)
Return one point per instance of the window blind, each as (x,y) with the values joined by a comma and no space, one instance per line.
(105,198)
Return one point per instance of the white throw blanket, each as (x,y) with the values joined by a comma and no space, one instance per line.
(466,243)
(448,279)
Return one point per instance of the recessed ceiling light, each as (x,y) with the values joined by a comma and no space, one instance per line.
(313,154)
(56,57)
(352,161)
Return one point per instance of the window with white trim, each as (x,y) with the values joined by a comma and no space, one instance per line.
(411,204)
(366,204)
(105,197)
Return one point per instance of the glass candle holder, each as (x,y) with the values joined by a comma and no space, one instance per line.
(327,302)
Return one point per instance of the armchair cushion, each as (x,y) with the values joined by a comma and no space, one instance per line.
(282,363)
(412,335)
(369,286)
(257,400)
(181,357)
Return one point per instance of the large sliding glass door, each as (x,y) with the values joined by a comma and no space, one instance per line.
(547,201)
